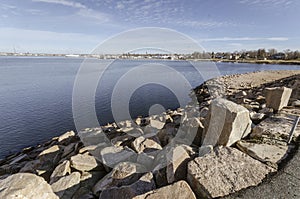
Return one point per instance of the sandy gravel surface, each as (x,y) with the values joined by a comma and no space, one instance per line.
(248,80)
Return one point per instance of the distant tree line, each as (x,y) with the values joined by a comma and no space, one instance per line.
(260,54)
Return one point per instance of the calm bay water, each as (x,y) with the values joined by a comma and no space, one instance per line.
(36,94)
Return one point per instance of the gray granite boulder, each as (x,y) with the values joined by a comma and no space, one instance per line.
(227,123)
(224,171)
(25,185)
(277,97)
(142,185)
(178,190)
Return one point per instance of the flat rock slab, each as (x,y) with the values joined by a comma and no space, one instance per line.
(264,152)
(61,170)
(66,186)
(278,127)
(142,185)
(83,162)
(178,190)
(225,171)
(25,185)
(123,174)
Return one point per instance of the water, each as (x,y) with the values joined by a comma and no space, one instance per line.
(36,94)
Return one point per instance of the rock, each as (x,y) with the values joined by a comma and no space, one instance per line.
(296,103)
(149,131)
(267,111)
(296,91)
(68,149)
(52,151)
(261,99)
(125,124)
(193,129)
(157,121)
(87,148)
(277,97)
(166,134)
(66,136)
(132,131)
(89,179)
(204,112)
(145,159)
(66,186)
(141,186)
(227,123)
(93,136)
(223,172)
(257,117)
(31,166)
(142,144)
(25,185)
(83,162)
(203,150)
(264,152)
(19,158)
(40,167)
(277,127)
(123,174)
(177,166)
(178,190)
(83,193)
(123,140)
(111,156)
(61,170)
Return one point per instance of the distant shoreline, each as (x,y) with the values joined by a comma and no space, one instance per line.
(280,62)
(250,61)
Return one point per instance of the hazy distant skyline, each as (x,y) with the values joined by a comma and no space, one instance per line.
(69,26)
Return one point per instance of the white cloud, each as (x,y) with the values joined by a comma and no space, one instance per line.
(63,2)
(83,10)
(90,13)
(267,3)
(278,38)
(245,39)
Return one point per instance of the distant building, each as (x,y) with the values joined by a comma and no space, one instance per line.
(278,56)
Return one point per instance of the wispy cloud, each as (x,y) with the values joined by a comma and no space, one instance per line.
(83,10)
(203,24)
(63,2)
(268,3)
(245,39)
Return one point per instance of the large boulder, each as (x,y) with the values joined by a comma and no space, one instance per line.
(178,190)
(66,186)
(193,128)
(111,156)
(227,123)
(142,144)
(264,152)
(25,185)
(177,164)
(61,170)
(123,174)
(66,136)
(142,185)
(277,97)
(157,121)
(224,171)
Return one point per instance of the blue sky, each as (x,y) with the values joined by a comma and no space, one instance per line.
(78,26)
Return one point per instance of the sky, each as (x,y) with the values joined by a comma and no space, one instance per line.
(79,26)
